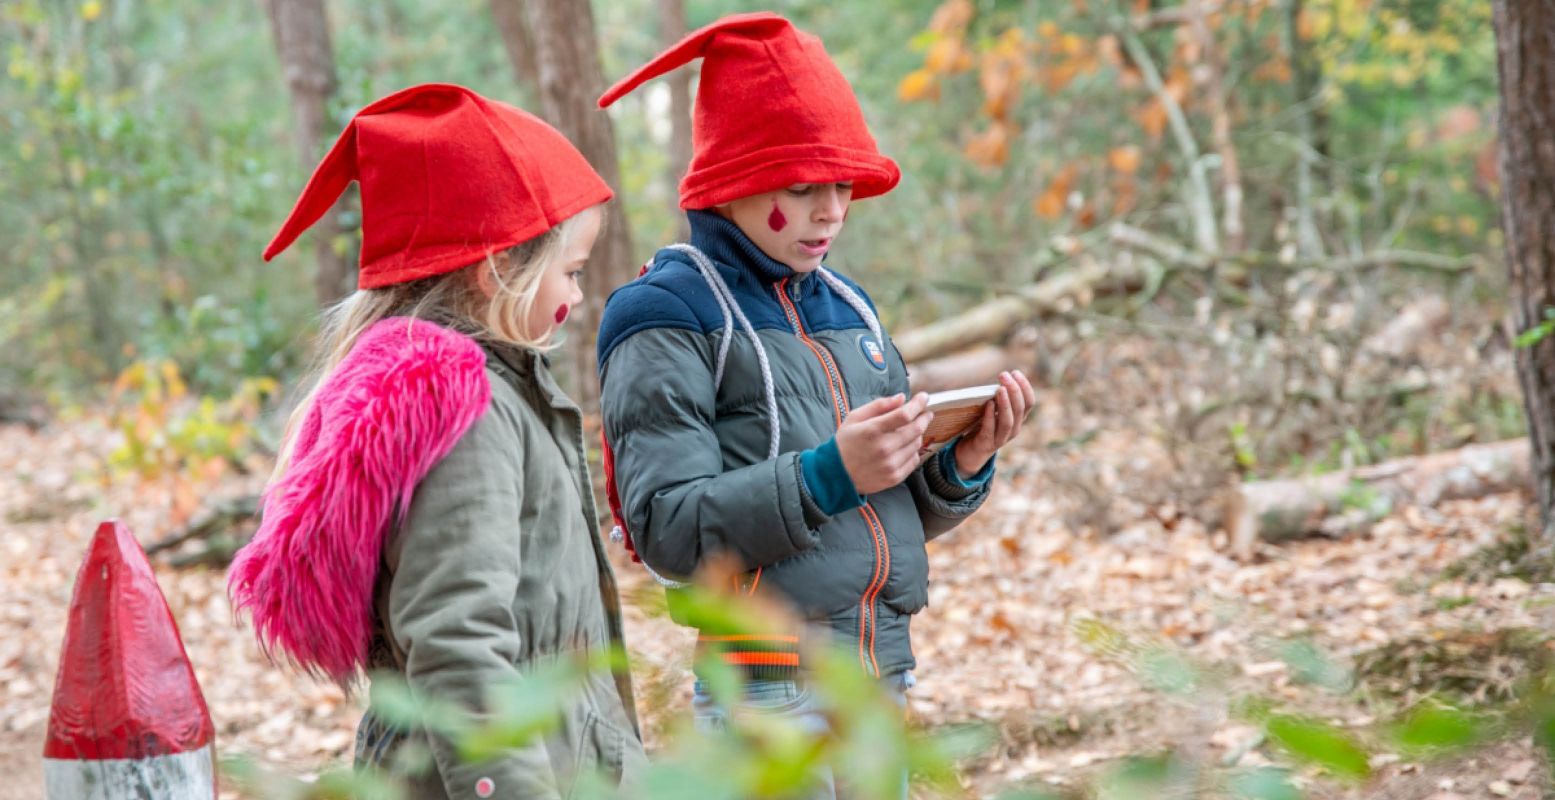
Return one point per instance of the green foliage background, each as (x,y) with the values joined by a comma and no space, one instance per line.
(146,157)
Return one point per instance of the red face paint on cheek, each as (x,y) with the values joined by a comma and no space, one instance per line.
(561,313)
(776,221)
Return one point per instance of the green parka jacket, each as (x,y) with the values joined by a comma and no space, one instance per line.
(496,568)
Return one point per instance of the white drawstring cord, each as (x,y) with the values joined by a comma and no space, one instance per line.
(730,307)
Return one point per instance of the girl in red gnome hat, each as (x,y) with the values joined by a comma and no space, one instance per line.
(753,405)
(431,513)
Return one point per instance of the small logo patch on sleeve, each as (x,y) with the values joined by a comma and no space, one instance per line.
(873,352)
(485,787)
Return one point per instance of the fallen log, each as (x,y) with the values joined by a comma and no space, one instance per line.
(214,520)
(990,322)
(217,552)
(1342,503)
(1412,325)
(23,410)
(993,320)
(973,367)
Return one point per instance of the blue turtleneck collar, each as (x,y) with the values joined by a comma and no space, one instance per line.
(724,242)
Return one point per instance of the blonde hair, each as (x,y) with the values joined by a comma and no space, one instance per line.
(453,299)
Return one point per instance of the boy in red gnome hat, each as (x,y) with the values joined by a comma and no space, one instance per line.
(431,514)
(753,406)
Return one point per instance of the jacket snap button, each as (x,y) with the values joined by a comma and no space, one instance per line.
(485,787)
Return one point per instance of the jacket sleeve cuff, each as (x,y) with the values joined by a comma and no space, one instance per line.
(946,481)
(826,480)
(813,516)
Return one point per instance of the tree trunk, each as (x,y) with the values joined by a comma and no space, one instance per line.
(517,41)
(1525,49)
(1201,204)
(1308,243)
(1220,127)
(672,27)
(570,82)
(301,31)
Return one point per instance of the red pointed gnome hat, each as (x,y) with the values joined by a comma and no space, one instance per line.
(772,110)
(448,177)
(125,688)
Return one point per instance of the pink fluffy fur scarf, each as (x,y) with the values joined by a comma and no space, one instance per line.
(393,407)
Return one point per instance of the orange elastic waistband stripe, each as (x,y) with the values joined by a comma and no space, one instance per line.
(762,659)
(749,638)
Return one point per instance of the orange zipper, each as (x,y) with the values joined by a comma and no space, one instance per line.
(839,397)
(840,408)
(883,566)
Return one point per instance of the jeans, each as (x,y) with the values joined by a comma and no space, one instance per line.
(792,699)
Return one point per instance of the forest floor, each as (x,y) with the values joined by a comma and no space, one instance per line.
(1423,602)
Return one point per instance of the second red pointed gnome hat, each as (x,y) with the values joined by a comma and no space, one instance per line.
(772,110)
(448,177)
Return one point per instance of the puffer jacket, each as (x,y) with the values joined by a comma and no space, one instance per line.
(688,418)
(437,522)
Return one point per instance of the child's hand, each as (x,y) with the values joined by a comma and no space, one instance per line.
(879,441)
(1002,418)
